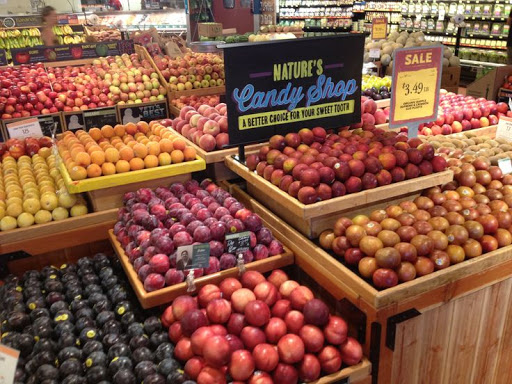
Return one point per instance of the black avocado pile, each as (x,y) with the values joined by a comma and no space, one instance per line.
(82,324)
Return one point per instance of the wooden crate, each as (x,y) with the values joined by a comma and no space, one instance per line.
(219,90)
(107,198)
(383,103)
(56,235)
(420,331)
(312,219)
(119,179)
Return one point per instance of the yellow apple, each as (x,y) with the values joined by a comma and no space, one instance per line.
(49,201)
(43,216)
(60,213)
(14,209)
(66,200)
(7,223)
(31,205)
(79,210)
(25,220)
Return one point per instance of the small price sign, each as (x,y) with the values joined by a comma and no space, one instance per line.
(505,165)
(374,53)
(196,256)
(238,242)
(415,86)
(504,129)
(379,28)
(8,361)
(24,128)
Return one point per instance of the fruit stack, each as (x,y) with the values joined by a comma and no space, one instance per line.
(152,225)
(462,113)
(207,126)
(313,166)
(258,330)
(192,71)
(376,88)
(195,101)
(121,149)
(466,218)
(31,187)
(80,324)
(29,90)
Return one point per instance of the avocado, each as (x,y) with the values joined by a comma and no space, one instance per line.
(124,376)
(144,369)
(164,351)
(152,324)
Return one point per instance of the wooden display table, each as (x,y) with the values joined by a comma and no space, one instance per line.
(313,219)
(452,326)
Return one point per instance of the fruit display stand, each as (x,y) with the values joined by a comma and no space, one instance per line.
(219,90)
(143,52)
(426,327)
(312,219)
(106,192)
(383,103)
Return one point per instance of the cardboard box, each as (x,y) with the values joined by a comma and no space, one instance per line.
(210,29)
(450,77)
(489,85)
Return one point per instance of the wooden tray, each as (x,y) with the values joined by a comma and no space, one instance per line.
(356,374)
(219,90)
(312,219)
(42,238)
(129,177)
(383,103)
(167,294)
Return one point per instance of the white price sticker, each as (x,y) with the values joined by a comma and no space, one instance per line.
(505,165)
(8,362)
(504,129)
(25,128)
(442,13)
(374,53)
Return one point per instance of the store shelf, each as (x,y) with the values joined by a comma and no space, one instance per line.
(327,29)
(482,47)
(313,17)
(433,33)
(315,6)
(382,10)
(489,37)
(480,63)
(485,18)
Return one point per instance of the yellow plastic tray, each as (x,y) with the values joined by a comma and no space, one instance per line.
(130,177)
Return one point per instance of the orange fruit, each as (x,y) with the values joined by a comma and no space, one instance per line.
(189,154)
(119,130)
(107,131)
(78,173)
(98,157)
(150,161)
(130,129)
(118,146)
(95,133)
(122,166)
(140,150)
(83,159)
(136,164)
(115,140)
(164,158)
(128,138)
(93,170)
(143,127)
(109,168)
(166,145)
(179,144)
(138,134)
(126,153)
(177,156)
(111,155)
(131,144)
(153,148)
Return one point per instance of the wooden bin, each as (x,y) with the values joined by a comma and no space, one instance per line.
(452,326)
(312,219)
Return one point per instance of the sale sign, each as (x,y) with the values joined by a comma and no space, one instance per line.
(283,86)
(379,28)
(415,86)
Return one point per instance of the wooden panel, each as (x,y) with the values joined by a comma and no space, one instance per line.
(465,341)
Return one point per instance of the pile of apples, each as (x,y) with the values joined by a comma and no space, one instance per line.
(192,71)
(464,219)
(459,113)
(205,126)
(121,149)
(195,101)
(258,330)
(313,166)
(507,84)
(31,91)
(153,224)
(32,190)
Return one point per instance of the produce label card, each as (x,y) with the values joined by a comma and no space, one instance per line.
(24,128)
(195,256)
(3,57)
(505,165)
(238,242)
(8,362)
(415,85)
(133,113)
(97,118)
(276,87)
(504,129)
(380,28)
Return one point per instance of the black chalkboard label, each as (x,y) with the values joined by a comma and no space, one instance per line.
(238,242)
(47,124)
(74,121)
(195,256)
(3,57)
(282,86)
(133,113)
(97,118)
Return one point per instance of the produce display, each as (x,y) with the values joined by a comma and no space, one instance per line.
(313,166)
(465,219)
(109,150)
(469,144)
(32,190)
(192,71)
(376,87)
(153,224)
(80,324)
(459,113)
(273,329)
(195,101)
(31,90)
(507,84)
(103,33)
(207,126)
